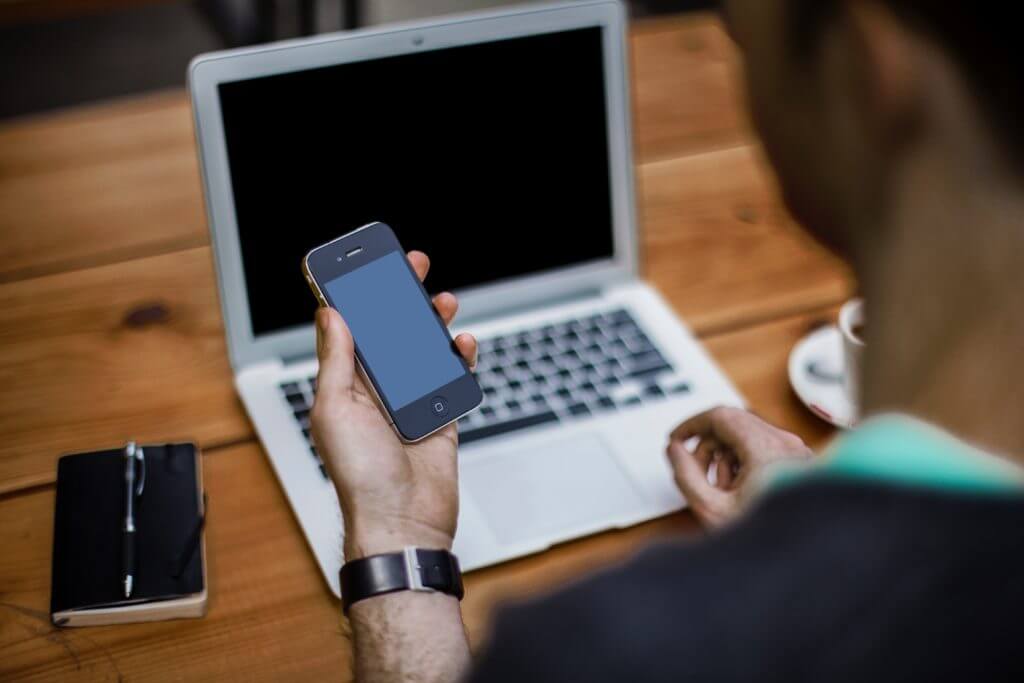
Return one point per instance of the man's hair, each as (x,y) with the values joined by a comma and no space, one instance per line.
(979,36)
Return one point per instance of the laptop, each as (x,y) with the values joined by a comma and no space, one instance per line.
(499,143)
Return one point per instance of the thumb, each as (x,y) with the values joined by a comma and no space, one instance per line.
(336,351)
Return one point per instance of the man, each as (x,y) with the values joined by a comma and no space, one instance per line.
(899,555)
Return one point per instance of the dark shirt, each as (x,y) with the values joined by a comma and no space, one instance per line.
(824,580)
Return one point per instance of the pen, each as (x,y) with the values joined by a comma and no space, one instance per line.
(128,537)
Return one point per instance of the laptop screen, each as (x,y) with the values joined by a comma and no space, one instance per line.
(492,158)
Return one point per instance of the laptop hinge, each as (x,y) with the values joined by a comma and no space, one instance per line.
(571,297)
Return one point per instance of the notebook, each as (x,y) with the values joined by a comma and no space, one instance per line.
(170,566)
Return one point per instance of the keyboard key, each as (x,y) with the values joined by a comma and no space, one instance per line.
(650,371)
(646,364)
(579,409)
(606,402)
(509,426)
(513,405)
(291,388)
(297,401)
(681,388)
(319,462)
(618,317)
(653,390)
(487,411)
(640,344)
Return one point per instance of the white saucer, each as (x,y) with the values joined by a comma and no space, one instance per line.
(816,375)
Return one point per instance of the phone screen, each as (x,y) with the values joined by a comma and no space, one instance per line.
(398,335)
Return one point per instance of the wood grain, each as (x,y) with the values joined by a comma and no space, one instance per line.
(97,185)
(724,251)
(110,182)
(78,376)
(94,357)
(271,616)
(686,87)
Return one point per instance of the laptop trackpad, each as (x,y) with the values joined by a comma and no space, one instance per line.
(536,491)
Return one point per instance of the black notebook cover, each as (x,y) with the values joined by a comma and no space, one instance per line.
(89,519)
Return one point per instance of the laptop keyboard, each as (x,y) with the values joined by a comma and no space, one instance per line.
(299,395)
(559,372)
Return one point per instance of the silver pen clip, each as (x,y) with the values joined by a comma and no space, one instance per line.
(140,477)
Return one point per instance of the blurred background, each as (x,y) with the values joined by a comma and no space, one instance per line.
(56,53)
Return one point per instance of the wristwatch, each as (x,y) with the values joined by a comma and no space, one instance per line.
(413,569)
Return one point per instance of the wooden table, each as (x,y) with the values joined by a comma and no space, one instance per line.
(110,329)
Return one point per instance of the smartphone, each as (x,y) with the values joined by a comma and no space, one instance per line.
(403,347)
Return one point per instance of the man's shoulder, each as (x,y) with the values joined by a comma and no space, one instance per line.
(776,589)
(696,598)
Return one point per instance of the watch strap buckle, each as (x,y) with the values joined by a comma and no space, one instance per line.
(413,571)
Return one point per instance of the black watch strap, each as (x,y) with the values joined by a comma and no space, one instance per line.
(414,569)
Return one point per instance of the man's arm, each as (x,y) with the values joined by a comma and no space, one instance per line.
(405,636)
(409,637)
(392,495)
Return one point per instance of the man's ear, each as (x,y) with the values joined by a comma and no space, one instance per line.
(887,60)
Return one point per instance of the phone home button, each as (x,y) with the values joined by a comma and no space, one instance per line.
(439,406)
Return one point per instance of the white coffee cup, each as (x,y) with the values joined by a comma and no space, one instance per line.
(851,320)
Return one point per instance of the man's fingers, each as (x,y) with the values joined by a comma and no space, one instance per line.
(467,346)
(447,306)
(420,263)
(725,471)
(692,479)
(702,424)
(705,451)
(334,348)
(724,423)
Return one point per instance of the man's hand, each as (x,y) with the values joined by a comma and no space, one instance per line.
(736,444)
(392,494)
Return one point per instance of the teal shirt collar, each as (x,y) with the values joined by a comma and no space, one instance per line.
(901,449)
